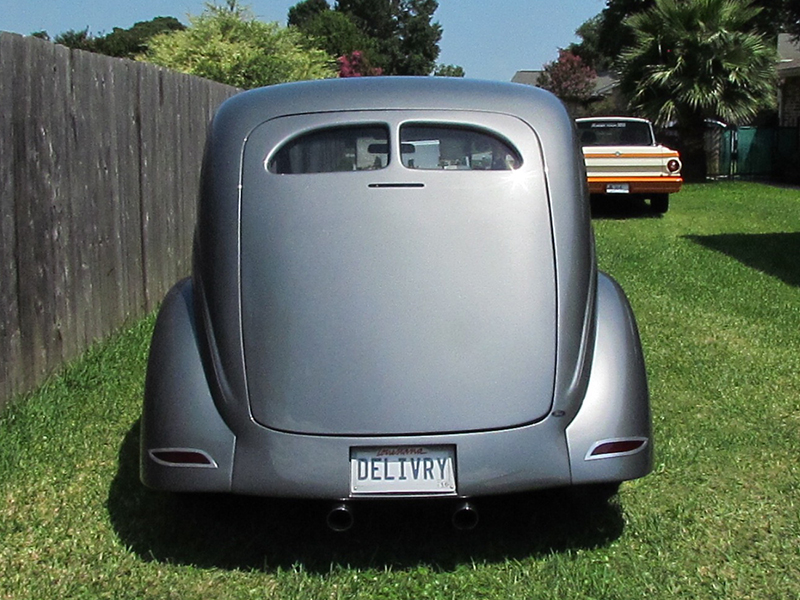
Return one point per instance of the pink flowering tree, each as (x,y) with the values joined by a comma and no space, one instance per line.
(568,78)
(356,64)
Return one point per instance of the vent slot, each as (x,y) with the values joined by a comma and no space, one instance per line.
(397,185)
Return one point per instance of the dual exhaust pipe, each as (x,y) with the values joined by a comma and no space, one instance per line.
(341,517)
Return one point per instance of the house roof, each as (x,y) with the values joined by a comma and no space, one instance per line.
(603,85)
(526,77)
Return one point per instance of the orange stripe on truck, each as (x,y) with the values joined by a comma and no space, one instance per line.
(638,185)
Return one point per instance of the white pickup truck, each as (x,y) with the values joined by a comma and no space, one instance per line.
(623,158)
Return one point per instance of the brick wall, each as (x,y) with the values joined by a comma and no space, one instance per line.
(790,102)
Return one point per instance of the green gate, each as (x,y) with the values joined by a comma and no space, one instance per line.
(753,152)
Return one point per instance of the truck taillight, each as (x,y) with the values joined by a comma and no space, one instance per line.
(674,165)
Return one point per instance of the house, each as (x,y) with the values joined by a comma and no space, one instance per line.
(604,85)
(605,97)
(789,81)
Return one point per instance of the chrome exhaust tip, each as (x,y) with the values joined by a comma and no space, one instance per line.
(340,518)
(465,516)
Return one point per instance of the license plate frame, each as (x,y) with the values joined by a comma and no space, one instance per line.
(403,470)
(618,188)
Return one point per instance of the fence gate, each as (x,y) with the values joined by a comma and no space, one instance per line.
(753,152)
(720,146)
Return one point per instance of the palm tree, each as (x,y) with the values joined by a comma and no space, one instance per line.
(695,60)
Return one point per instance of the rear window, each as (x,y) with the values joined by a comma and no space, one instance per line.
(424,146)
(615,133)
(333,149)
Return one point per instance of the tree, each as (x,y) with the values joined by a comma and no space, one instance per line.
(77,40)
(228,44)
(569,79)
(418,38)
(614,31)
(773,17)
(448,71)
(588,49)
(792,18)
(128,43)
(336,34)
(606,35)
(397,36)
(376,18)
(694,60)
(122,43)
(303,12)
(356,64)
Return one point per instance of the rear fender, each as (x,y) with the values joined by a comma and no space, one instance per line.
(179,418)
(617,404)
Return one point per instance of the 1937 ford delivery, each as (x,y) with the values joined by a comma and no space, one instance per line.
(394,293)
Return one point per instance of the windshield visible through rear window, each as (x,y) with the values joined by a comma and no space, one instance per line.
(615,133)
(333,149)
(448,147)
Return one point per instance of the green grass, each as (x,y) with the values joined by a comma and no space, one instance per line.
(715,285)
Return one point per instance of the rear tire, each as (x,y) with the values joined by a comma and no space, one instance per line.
(659,203)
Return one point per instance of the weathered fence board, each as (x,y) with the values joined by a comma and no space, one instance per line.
(10,348)
(99,171)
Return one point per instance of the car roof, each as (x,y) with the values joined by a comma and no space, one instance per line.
(537,107)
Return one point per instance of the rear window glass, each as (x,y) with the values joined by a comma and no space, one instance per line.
(333,149)
(615,133)
(458,148)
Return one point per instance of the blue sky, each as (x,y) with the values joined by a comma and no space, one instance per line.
(490,39)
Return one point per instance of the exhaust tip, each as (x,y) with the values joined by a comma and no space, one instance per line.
(465,517)
(340,518)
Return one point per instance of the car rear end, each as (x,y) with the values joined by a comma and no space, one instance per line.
(623,158)
(394,295)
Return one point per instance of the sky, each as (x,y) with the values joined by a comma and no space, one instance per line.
(490,39)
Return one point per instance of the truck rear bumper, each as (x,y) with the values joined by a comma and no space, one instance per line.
(636,185)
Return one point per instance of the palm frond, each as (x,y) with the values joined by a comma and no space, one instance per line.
(695,59)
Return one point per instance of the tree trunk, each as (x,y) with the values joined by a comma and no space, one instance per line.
(693,151)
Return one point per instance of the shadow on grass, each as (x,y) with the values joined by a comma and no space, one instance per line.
(622,207)
(238,532)
(775,254)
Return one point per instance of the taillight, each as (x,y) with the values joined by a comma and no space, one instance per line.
(674,165)
(618,447)
(182,457)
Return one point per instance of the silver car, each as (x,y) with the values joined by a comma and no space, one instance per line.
(394,294)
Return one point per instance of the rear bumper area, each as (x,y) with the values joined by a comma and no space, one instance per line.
(637,185)
(187,445)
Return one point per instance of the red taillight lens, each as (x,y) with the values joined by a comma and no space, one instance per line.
(610,448)
(674,165)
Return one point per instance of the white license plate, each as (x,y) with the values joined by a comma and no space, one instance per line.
(403,470)
(618,188)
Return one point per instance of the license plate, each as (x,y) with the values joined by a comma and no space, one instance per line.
(618,188)
(403,470)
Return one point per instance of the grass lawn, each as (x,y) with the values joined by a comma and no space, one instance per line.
(715,284)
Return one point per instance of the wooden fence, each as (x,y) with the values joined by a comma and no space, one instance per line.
(99,171)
